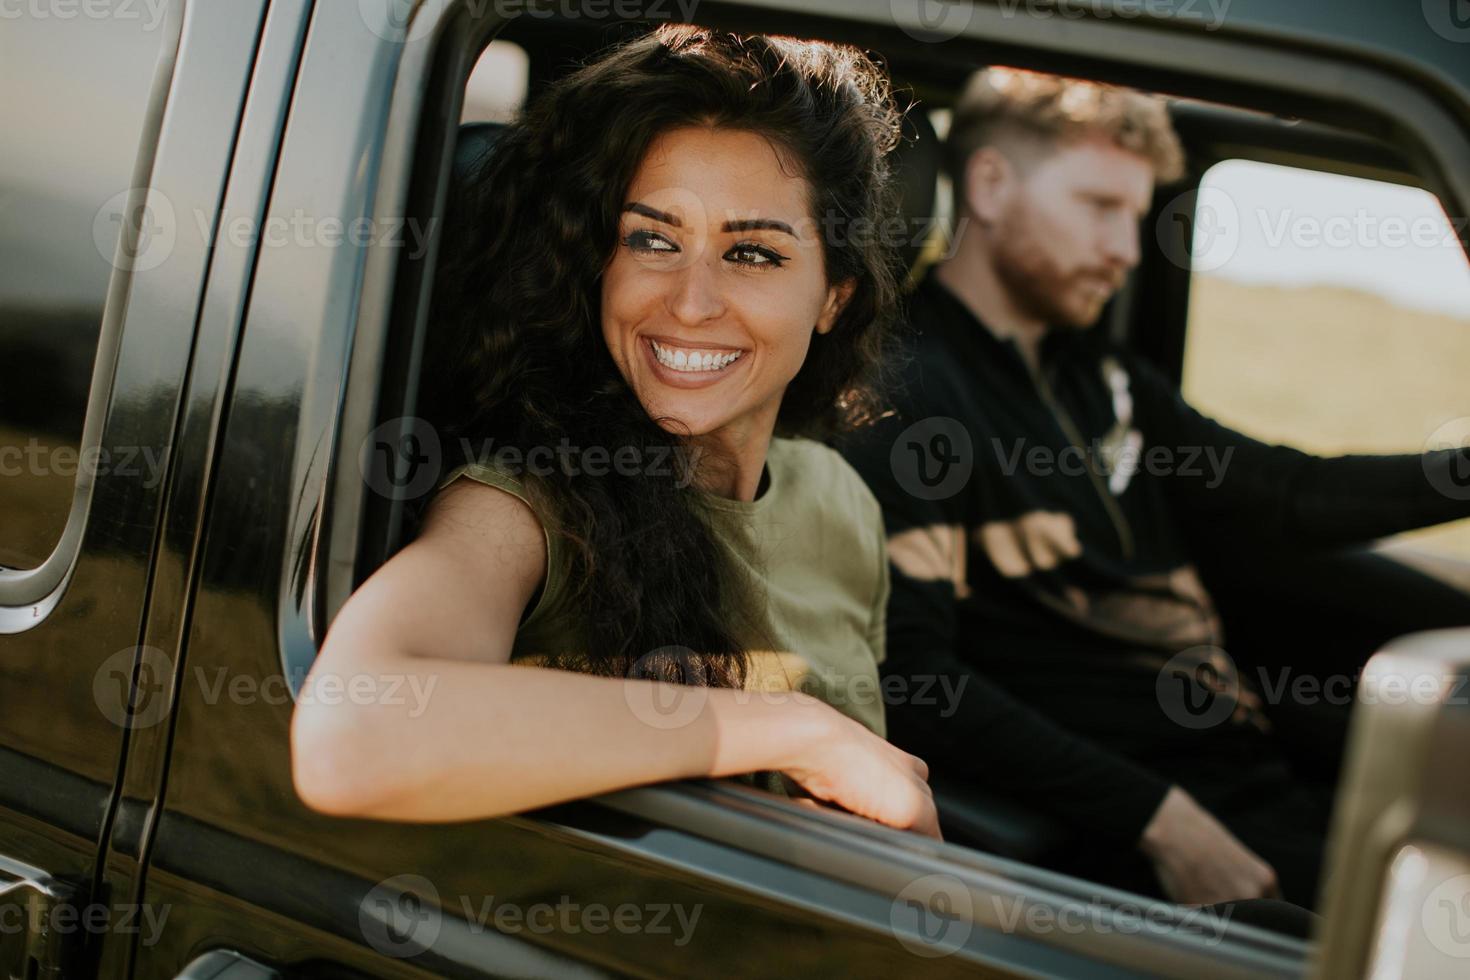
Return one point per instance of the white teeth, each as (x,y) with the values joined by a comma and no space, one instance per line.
(693,361)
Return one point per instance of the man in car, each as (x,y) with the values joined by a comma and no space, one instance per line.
(1050,499)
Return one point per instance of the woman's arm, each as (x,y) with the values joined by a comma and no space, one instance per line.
(442,727)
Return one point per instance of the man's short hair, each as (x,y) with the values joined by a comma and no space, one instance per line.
(1008,108)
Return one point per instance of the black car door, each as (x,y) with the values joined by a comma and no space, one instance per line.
(118,122)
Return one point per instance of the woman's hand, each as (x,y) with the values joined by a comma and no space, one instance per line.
(846,764)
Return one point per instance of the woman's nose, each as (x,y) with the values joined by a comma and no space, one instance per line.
(696,296)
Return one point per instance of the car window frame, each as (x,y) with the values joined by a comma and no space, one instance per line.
(1314,80)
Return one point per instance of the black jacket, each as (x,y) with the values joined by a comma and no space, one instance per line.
(1041,534)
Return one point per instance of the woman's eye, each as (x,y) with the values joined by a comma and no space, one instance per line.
(748,253)
(647,241)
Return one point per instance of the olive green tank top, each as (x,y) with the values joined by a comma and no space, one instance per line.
(811,547)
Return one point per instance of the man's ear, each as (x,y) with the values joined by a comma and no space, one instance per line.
(990,179)
(837,296)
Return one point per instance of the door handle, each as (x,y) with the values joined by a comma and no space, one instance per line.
(31,946)
(226,964)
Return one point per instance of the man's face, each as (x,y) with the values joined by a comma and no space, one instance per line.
(1066,232)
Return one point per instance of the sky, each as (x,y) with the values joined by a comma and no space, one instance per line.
(1266,224)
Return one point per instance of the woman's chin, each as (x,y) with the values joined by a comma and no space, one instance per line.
(687,424)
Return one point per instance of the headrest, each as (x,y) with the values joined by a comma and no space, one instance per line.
(916,162)
(475,142)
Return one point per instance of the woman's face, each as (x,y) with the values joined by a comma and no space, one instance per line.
(716,283)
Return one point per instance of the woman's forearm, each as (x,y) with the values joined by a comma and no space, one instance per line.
(464,741)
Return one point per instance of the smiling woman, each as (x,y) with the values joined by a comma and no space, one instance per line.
(653,262)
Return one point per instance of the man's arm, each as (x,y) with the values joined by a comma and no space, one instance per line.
(941,708)
(970,728)
(1283,495)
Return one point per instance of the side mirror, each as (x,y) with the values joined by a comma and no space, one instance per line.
(1396,897)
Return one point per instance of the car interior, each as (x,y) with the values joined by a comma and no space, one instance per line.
(1364,599)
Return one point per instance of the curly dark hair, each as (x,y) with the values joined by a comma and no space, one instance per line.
(517,351)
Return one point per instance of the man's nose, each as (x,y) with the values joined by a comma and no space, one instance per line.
(1120,243)
(696,296)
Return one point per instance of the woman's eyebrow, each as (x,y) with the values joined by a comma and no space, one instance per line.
(746,224)
(638,207)
(754,224)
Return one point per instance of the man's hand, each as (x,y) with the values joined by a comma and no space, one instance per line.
(1198,861)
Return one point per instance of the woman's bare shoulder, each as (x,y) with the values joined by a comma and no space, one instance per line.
(459,588)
